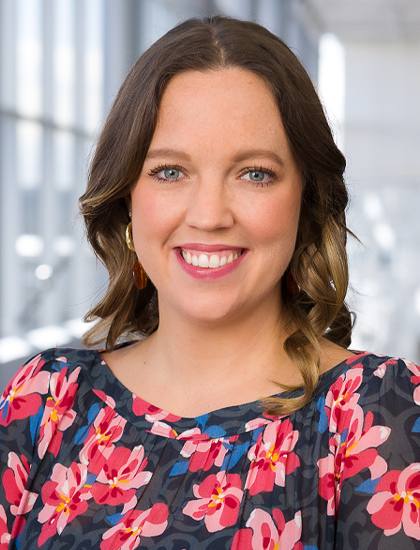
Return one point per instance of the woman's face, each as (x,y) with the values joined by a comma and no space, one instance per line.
(216,208)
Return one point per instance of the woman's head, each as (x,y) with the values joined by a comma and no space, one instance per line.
(318,264)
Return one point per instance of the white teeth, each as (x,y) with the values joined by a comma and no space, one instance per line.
(214,261)
(203,260)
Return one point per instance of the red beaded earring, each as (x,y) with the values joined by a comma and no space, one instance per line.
(291,284)
(139,276)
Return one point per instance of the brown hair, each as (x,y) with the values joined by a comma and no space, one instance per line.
(319,263)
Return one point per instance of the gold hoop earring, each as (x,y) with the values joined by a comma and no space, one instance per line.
(139,276)
(129,237)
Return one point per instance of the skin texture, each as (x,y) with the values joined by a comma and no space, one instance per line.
(221,333)
(210,120)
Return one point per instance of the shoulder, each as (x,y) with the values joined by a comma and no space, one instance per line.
(383,386)
(53,373)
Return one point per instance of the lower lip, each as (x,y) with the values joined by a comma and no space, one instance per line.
(209,273)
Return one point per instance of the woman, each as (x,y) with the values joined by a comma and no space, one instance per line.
(241,420)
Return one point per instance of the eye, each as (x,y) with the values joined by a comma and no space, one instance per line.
(259,176)
(166,173)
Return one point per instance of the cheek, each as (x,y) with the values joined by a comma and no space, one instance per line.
(150,215)
(277,221)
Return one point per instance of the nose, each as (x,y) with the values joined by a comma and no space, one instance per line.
(210,205)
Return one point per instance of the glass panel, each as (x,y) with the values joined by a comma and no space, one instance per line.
(93,64)
(64,64)
(29,154)
(30,219)
(63,160)
(29,57)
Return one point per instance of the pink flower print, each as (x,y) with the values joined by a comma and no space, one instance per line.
(163,429)
(64,498)
(264,532)
(381,370)
(122,474)
(127,534)
(107,429)
(272,457)
(151,413)
(58,413)
(396,502)
(22,398)
(329,483)
(218,500)
(256,423)
(359,449)
(204,454)
(342,398)
(105,398)
(4,533)
(415,379)
(14,482)
(349,456)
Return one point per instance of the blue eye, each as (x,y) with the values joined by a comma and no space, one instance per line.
(166,173)
(258,175)
(171,173)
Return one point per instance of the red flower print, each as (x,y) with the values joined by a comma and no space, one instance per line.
(152,413)
(396,502)
(58,415)
(359,448)
(348,456)
(64,498)
(269,533)
(4,533)
(329,483)
(381,370)
(204,454)
(135,524)
(219,497)
(22,396)
(272,457)
(415,380)
(342,398)
(107,429)
(120,477)
(14,482)
(105,398)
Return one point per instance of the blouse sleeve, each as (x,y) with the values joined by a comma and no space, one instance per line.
(377,459)
(22,408)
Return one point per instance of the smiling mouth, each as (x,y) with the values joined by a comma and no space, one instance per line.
(211,260)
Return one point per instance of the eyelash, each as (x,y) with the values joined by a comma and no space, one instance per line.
(154,173)
(265,171)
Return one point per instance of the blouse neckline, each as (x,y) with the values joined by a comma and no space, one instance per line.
(225,422)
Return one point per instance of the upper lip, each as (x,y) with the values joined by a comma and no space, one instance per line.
(201,247)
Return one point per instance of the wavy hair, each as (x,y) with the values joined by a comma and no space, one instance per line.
(319,263)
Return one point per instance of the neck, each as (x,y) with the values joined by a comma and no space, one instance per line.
(245,349)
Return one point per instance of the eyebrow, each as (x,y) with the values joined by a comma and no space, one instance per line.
(160,153)
(243,155)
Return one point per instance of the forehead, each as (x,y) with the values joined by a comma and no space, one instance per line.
(228,103)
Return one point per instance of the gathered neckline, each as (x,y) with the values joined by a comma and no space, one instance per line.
(224,422)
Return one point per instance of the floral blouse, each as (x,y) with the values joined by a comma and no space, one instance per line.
(85,464)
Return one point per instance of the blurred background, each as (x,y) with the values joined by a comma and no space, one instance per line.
(61,63)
